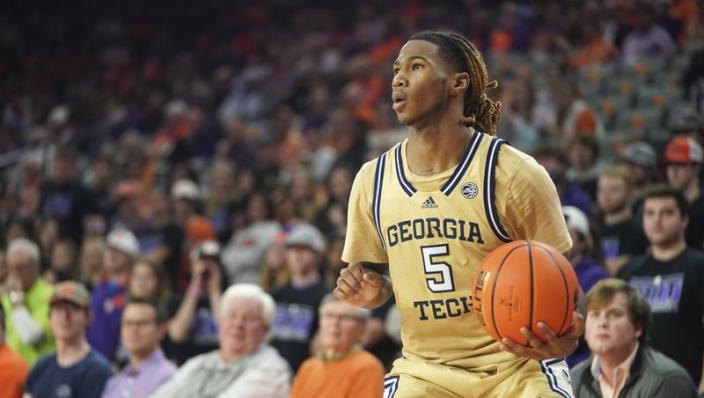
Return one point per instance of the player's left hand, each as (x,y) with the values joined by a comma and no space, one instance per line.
(553,347)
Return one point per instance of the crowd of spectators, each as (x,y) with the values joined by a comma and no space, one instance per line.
(163,151)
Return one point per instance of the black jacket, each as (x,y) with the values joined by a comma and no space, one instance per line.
(652,375)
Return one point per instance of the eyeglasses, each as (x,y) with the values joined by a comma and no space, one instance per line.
(141,323)
(342,317)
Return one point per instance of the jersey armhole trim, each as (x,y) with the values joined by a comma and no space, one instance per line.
(376,199)
(489,186)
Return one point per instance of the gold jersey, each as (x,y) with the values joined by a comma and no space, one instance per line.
(433,231)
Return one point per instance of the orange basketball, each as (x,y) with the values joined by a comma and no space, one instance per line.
(522,283)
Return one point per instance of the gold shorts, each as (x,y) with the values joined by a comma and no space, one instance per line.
(523,378)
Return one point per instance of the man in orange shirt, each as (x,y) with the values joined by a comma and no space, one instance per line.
(13,369)
(341,368)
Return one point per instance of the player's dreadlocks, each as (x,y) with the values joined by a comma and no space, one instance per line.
(479,110)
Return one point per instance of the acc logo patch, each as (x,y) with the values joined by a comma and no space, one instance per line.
(470,190)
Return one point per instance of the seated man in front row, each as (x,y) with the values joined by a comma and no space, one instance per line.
(341,368)
(245,366)
(622,364)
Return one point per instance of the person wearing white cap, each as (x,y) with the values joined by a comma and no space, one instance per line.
(583,256)
(109,297)
(297,303)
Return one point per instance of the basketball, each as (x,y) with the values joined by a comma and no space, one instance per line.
(522,283)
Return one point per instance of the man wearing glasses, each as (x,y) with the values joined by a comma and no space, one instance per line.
(341,367)
(75,370)
(142,330)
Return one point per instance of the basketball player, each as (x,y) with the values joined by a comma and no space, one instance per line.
(426,213)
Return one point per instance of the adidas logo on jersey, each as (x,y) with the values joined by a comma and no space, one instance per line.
(429,203)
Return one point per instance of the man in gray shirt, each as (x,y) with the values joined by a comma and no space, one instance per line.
(245,366)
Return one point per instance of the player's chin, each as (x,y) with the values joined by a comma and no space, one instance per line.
(405,119)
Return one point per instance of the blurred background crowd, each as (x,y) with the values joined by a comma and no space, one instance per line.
(166,150)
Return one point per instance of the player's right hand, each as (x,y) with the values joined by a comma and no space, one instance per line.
(357,286)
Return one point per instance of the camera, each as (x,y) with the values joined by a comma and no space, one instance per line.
(208,249)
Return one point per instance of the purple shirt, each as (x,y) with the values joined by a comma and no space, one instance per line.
(107,303)
(141,382)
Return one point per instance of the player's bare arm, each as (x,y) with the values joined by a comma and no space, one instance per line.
(364,285)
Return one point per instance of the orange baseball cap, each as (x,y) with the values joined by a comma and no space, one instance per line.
(683,150)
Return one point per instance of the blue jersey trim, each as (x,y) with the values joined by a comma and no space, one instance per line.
(376,199)
(454,179)
(489,186)
(401,175)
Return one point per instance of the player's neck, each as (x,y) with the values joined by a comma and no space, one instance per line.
(665,252)
(434,149)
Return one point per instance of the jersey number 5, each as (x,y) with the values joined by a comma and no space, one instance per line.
(439,273)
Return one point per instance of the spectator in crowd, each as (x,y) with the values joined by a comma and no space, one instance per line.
(62,262)
(583,153)
(185,199)
(13,369)
(332,217)
(64,198)
(688,122)
(75,370)
(192,328)
(244,366)
(594,48)
(297,303)
(273,273)
(684,162)
(148,282)
(621,234)
(109,296)
(244,252)
(340,367)
(141,332)
(92,262)
(221,199)
(648,41)
(624,364)
(555,164)
(641,160)
(26,303)
(585,257)
(671,277)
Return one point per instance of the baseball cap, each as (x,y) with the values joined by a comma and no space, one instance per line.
(641,154)
(124,241)
(185,189)
(72,292)
(576,219)
(683,150)
(306,235)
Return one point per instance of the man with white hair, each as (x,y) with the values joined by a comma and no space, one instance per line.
(26,303)
(245,366)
